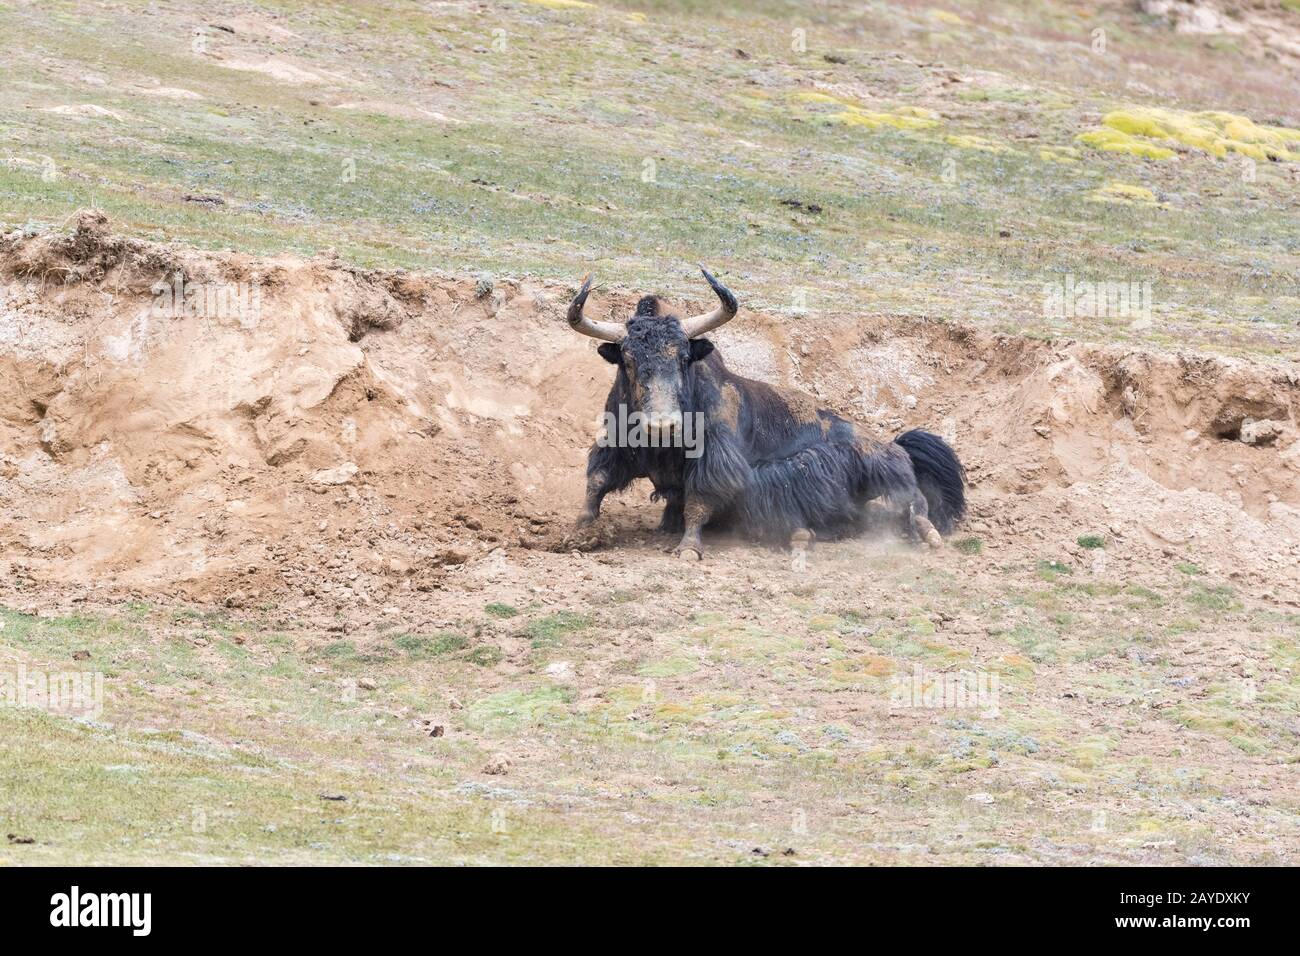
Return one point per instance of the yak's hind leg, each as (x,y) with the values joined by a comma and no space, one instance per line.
(890,487)
(908,514)
(916,519)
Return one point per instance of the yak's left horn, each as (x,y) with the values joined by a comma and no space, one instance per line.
(605,331)
(697,325)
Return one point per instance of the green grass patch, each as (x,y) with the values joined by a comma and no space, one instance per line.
(485,655)
(422,646)
(1050,569)
(1218,599)
(550,631)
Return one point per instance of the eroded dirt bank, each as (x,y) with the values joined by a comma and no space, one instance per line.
(371,434)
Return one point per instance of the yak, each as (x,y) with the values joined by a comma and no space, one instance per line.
(767,461)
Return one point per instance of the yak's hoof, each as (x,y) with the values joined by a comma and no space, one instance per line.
(586,534)
(801,539)
(932,537)
(689,552)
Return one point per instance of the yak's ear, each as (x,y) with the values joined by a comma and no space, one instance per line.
(610,352)
(700,349)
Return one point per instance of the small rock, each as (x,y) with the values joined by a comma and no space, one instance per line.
(335,797)
(985,798)
(335,476)
(499,765)
(561,669)
(366,683)
(81,655)
(1259,432)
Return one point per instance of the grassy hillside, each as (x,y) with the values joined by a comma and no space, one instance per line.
(710,720)
(882,157)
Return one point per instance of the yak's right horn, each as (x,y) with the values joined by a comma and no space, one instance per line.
(605,331)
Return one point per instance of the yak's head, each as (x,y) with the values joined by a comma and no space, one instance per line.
(655,351)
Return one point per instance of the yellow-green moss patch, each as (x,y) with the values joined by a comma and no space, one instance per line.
(1124,194)
(1141,130)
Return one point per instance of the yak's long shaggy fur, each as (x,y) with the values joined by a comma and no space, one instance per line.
(772,461)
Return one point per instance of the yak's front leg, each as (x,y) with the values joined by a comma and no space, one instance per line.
(599,485)
(696,514)
(586,533)
(667,479)
(673,520)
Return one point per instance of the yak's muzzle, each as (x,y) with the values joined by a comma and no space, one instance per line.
(664,423)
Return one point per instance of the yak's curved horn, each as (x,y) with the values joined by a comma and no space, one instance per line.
(697,325)
(605,331)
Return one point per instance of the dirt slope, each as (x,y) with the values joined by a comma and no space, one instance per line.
(367,430)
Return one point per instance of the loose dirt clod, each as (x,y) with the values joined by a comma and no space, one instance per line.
(500,764)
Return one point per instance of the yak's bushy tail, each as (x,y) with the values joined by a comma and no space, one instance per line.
(939,475)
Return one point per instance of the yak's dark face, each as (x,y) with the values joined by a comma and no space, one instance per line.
(656,358)
(655,352)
